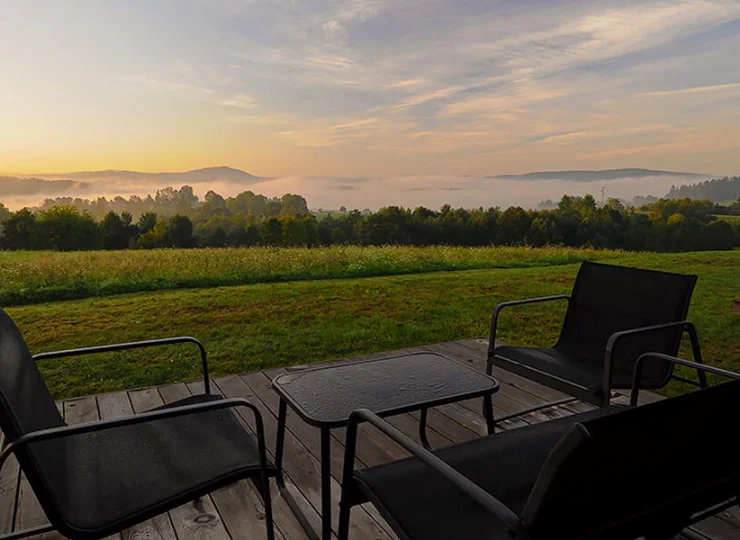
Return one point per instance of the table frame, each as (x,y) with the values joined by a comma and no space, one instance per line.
(326,427)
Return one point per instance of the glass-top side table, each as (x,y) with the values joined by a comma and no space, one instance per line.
(326,396)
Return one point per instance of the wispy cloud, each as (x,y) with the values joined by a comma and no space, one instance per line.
(534,72)
(515,97)
(418,99)
(636,150)
(140,82)
(238,101)
(565,138)
(730,89)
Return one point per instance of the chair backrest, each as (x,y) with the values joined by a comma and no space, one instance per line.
(643,471)
(608,299)
(25,402)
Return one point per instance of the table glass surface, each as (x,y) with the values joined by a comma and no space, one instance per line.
(328,395)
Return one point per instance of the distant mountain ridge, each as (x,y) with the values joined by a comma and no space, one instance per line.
(596,176)
(14,186)
(83,182)
(197,176)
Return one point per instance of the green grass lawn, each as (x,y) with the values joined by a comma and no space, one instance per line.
(42,276)
(250,327)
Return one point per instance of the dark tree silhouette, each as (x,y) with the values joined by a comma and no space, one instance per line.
(180,232)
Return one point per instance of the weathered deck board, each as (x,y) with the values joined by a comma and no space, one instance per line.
(237,513)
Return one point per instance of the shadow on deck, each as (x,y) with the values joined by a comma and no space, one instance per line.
(235,513)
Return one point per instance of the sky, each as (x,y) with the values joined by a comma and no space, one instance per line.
(369,88)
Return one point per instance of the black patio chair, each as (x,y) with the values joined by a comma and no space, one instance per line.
(614,473)
(614,314)
(97,479)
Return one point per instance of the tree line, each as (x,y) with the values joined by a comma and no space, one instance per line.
(249,219)
(170,201)
(719,189)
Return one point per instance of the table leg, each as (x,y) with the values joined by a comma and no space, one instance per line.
(488,414)
(423,429)
(285,491)
(325,484)
(280,442)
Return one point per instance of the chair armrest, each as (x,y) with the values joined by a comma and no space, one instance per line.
(500,307)
(135,345)
(478,494)
(677,361)
(616,336)
(151,416)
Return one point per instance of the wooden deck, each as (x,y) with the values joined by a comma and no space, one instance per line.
(235,513)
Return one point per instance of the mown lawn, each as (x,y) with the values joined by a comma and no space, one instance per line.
(44,276)
(250,327)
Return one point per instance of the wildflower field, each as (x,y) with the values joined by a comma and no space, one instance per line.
(28,277)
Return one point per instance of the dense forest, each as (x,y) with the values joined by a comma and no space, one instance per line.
(177,218)
(717,190)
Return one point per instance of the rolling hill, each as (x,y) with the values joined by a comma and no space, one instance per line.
(197,176)
(86,182)
(596,176)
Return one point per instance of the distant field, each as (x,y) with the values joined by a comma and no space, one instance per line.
(36,276)
(251,327)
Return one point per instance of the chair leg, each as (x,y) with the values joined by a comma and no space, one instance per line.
(344,512)
(606,400)
(347,497)
(696,353)
(264,477)
(267,501)
(262,485)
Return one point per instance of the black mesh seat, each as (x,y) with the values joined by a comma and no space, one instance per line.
(94,480)
(614,314)
(556,365)
(609,474)
(505,465)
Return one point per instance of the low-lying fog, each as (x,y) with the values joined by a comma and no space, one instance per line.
(360,193)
